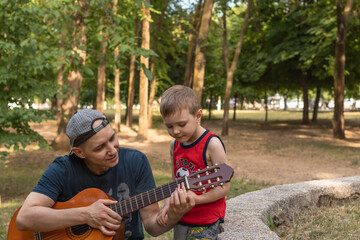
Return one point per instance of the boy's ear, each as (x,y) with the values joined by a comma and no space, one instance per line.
(78,152)
(198,115)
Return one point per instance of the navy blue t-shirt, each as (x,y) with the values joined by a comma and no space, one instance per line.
(68,175)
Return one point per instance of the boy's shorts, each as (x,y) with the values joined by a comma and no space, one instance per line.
(183,232)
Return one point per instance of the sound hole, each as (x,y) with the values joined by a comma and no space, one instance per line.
(80,229)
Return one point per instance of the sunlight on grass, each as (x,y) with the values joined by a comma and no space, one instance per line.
(325,223)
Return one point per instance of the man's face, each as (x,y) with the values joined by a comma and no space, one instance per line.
(100,151)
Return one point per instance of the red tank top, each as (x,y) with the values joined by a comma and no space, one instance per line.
(186,160)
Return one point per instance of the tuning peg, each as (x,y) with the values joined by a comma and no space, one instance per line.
(222,185)
(212,186)
(204,190)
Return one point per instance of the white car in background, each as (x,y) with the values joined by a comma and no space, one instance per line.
(295,104)
(349,104)
(357,104)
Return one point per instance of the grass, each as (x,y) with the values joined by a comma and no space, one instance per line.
(325,223)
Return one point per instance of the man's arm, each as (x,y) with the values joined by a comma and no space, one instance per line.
(36,214)
(180,203)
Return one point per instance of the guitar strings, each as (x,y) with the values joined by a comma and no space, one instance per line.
(152,195)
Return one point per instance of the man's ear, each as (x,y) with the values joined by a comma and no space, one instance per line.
(78,152)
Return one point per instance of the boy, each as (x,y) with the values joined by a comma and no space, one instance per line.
(193,148)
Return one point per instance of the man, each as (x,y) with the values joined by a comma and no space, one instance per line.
(97,161)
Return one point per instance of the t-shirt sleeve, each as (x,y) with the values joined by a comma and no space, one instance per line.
(51,182)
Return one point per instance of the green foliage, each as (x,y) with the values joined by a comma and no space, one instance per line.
(271,224)
(147,72)
(283,39)
(28,56)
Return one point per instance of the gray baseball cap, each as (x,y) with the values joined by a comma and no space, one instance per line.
(80,126)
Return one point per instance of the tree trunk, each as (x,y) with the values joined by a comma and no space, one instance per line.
(74,80)
(101,80)
(339,75)
(59,92)
(144,83)
(131,92)
(266,107)
(285,102)
(234,108)
(153,63)
(200,59)
(117,81)
(231,69)
(316,105)
(192,44)
(210,103)
(305,89)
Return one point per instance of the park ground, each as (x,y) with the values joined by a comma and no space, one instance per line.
(280,151)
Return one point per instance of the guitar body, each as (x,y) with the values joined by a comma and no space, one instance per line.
(81,232)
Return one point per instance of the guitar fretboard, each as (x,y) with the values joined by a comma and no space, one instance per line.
(146,198)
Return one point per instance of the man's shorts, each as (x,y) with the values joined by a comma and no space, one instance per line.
(183,232)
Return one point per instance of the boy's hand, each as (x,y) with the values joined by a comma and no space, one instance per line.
(180,203)
(162,216)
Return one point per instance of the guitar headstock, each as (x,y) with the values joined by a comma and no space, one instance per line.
(210,177)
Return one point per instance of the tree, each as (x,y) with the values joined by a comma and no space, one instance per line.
(131,92)
(231,69)
(131,87)
(75,77)
(193,35)
(24,73)
(101,78)
(200,52)
(144,61)
(153,63)
(339,75)
(117,80)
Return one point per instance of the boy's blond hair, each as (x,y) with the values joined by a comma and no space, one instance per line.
(179,97)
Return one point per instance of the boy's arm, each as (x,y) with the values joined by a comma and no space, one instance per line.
(215,154)
(179,204)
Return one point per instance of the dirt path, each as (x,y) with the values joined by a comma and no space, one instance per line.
(274,154)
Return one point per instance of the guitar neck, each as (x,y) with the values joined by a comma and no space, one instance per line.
(144,199)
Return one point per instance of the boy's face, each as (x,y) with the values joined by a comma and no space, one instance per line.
(182,125)
(100,151)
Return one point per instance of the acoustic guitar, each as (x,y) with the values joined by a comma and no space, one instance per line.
(199,181)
